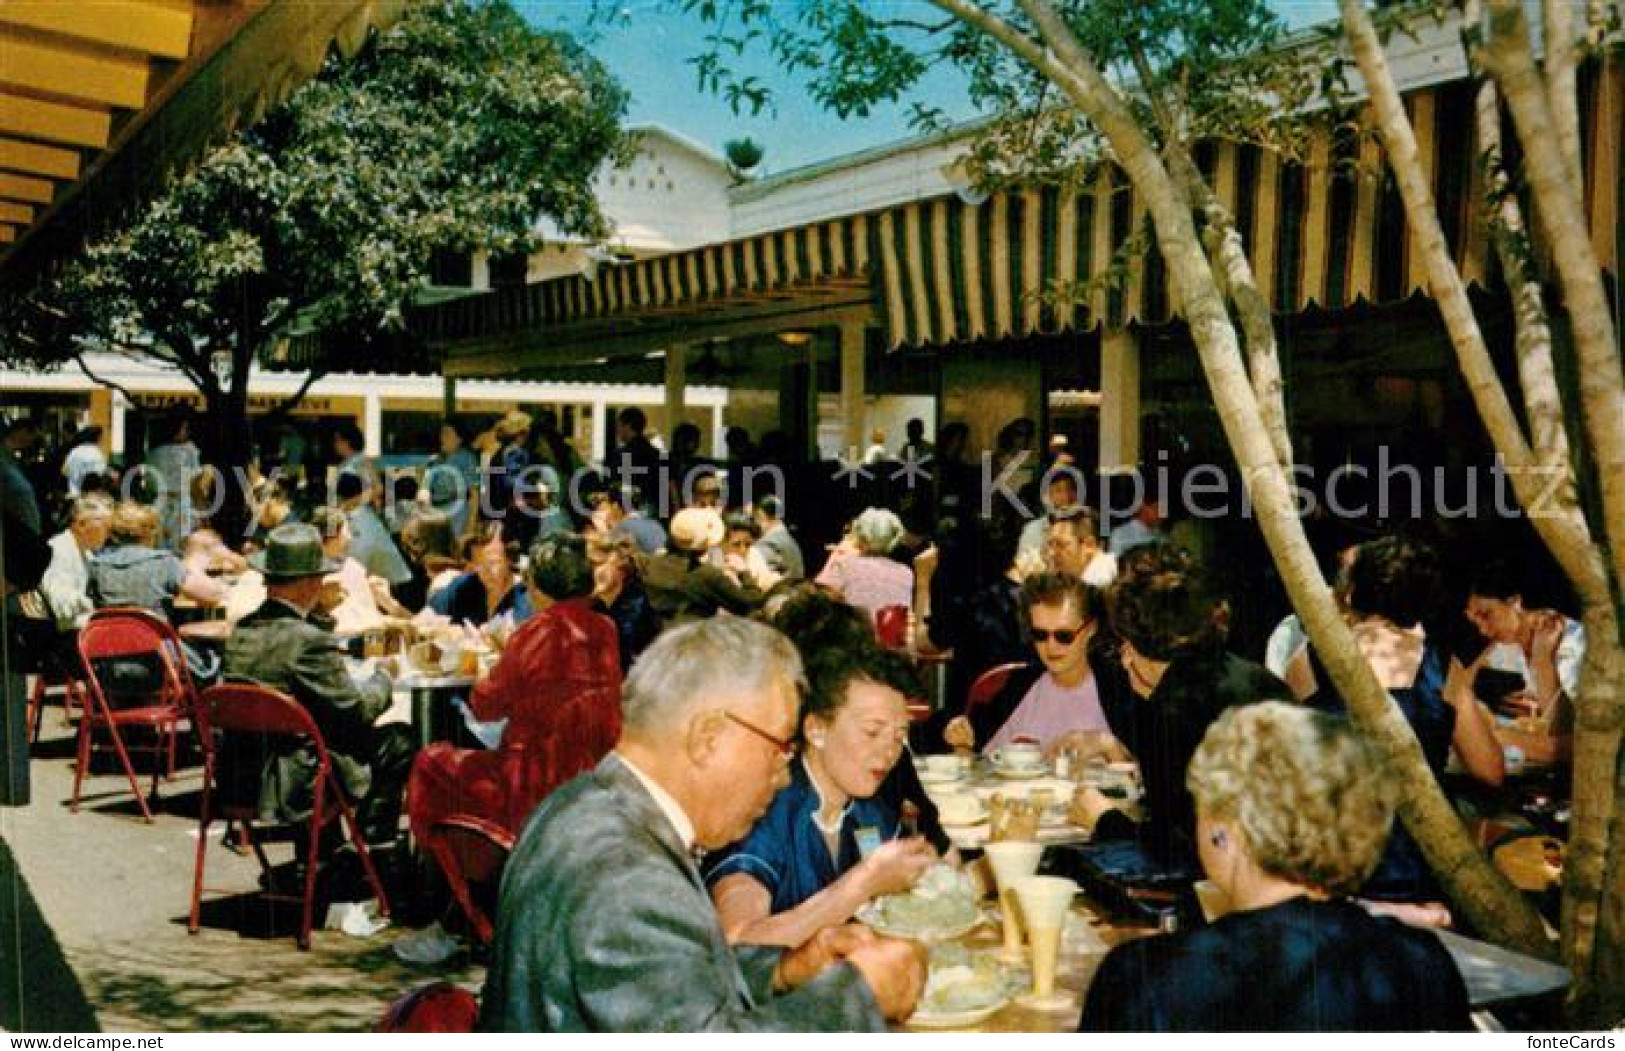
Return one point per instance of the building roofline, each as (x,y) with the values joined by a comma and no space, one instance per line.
(758,188)
(705,153)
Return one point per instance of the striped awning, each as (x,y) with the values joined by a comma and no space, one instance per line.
(748,271)
(1319,235)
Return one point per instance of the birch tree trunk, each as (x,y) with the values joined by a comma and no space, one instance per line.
(1562,93)
(1486,898)
(1234,271)
(1543,405)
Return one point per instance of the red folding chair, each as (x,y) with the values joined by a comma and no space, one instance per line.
(136,637)
(988,684)
(55,673)
(470,850)
(247,709)
(438,1007)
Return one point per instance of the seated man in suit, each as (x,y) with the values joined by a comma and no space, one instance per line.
(604,923)
(288,645)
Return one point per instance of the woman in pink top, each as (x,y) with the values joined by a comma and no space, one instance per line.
(1058,701)
(859,571)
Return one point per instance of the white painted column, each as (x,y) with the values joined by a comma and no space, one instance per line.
(373,428)
(1119,400)
(719,433)
(853,433)
(600,431)
(676,385)
(120,407)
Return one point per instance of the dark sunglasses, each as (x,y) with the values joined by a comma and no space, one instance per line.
(1065,636)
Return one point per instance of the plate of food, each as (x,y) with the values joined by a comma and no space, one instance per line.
(941,905)
(960,809)
(962,988)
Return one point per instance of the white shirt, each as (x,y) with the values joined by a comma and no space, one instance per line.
(668,806)
(66,584)
(1571,651)
(82,460)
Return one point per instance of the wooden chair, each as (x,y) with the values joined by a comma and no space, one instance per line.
(246,709)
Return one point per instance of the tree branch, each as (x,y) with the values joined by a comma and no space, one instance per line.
(79,358)
(1543,404)
(1561,91)
(281,411)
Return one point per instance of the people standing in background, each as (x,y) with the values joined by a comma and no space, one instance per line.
(1144,528)
(916,448)
(84,459)
(18,492)
(174,462)
(510,461)
(486,446)
(370,542)
(559,452)
(779,549)
(452,477)
(350,448)
(876,453)
(741,457)
(636,462)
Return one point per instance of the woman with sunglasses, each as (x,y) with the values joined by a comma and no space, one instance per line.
(833,839)
(1057,700)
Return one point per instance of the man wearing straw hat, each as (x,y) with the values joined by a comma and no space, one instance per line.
(288,645)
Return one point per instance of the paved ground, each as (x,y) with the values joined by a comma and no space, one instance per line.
(115,893)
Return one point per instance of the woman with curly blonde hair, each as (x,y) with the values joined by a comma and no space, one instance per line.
(1293,809)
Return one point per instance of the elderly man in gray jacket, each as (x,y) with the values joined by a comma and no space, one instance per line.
(604,923)
(288,645)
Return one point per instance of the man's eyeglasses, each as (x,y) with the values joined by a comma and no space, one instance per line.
(1065,636)
(786,749)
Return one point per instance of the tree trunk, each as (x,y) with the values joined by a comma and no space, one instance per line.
(1593,902)
(1543,404)
(1562,94)
(1486,898)
(1233,269)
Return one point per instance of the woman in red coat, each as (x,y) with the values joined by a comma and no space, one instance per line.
(558,685)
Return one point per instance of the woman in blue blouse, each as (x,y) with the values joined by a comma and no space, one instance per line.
(830,841)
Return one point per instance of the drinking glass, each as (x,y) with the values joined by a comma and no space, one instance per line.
(1045,902)
(1011,860)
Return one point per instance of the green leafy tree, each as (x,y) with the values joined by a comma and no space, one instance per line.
(1071,82)
(454,130)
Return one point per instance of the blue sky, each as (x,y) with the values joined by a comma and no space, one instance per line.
(646,47)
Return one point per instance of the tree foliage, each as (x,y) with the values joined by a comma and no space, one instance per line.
(455,129)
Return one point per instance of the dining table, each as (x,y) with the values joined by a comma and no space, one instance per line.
(1088,935)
